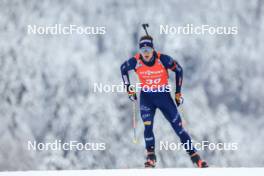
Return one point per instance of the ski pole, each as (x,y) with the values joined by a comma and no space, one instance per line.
(183,113)
(134,124)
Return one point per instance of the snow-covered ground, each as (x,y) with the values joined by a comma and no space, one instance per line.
(146,172)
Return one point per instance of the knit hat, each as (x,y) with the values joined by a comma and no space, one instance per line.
(146,40)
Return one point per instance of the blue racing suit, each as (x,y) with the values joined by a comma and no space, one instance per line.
(150,101)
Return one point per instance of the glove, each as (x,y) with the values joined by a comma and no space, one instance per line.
(178,99)
(132,95)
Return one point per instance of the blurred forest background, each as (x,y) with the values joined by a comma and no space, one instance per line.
(46,81)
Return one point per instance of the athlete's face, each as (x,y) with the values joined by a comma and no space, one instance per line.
(147,53)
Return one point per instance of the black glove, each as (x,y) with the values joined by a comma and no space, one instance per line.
(131,93)
(178,99)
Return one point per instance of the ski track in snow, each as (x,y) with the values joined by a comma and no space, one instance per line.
(143,172)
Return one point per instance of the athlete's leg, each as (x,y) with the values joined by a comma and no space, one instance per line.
(169,110)
(147,111)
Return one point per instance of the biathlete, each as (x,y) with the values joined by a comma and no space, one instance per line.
(151,67)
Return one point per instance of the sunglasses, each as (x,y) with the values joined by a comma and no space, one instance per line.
(146,50)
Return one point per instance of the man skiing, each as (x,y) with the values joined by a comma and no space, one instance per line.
(151,67)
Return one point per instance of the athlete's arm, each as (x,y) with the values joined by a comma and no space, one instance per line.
(174,66)
(125,68)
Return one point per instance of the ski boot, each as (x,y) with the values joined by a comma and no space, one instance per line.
(151,160)
(196,159)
